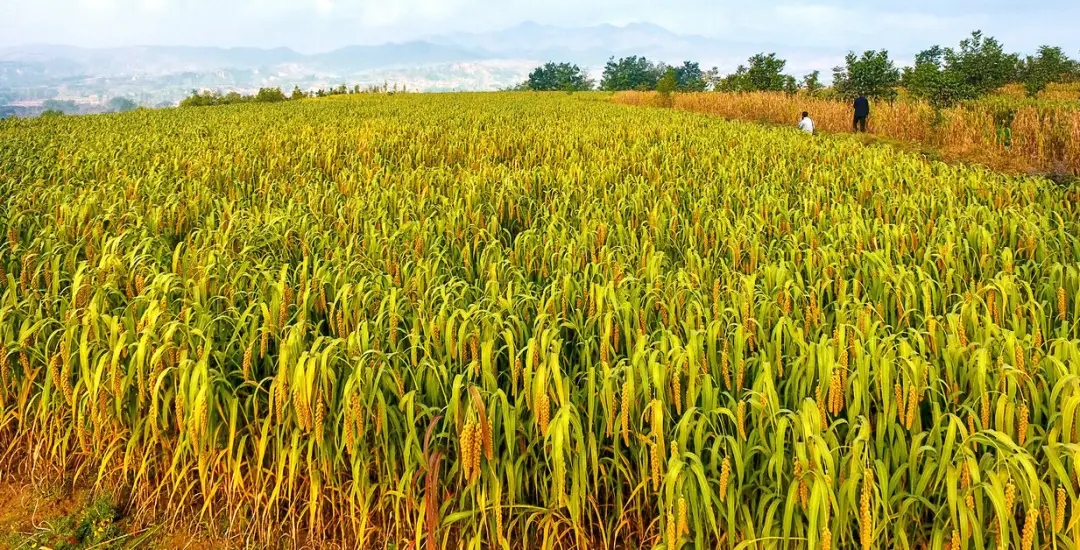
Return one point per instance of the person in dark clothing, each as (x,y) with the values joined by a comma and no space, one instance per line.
(862,112)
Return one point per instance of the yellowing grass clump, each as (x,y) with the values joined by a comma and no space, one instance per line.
(1000,131)
(1055,91)
(523,321)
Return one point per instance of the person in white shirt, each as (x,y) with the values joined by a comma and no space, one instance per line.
(806,124)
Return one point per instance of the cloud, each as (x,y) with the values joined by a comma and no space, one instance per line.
(153,6)
(403,11)
(814,16)
(99,6)
(836,23)
(903,27)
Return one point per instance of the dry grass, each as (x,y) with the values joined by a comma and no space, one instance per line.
(1041,136)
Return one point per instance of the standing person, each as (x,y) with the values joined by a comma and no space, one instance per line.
(862,112)
(806,124)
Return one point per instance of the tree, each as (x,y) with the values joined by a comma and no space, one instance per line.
(944,76)
(297,93)
(791,86)
(272,95)
(67,107)
(666,85)
(734,82)
(933,80)
(1034,76)
(1056,65)
(873,75)
(201,99)
(559,77)
(981,63)
(765,73)
(712,78)
(689,78)
(1048,65)
(929,80)
(631,73)
(121,105)
(208,98)
(812,83)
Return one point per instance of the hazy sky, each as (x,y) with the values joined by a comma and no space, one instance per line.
(318,25)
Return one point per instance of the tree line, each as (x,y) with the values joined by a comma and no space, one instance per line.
(628,73)
(62,107)
(942,76)
(208,98)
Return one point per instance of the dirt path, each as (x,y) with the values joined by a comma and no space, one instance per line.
(33,518)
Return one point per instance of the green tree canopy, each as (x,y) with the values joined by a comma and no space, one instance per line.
(559,77)
(1057,66)
(1033,75)
(631,73)
(274,95)
(121,105)
(67,107)
(208,98)
(734,82)
(791,86)
(689,77)
(666,85)
(929,80)
(946,76)
(713,78)
(981,63)
(1049,64)
(812,83)
(873,74)
(766,73)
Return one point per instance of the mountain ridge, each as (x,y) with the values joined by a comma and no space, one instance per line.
(157,75)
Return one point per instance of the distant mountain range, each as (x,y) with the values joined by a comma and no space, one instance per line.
(160,75)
